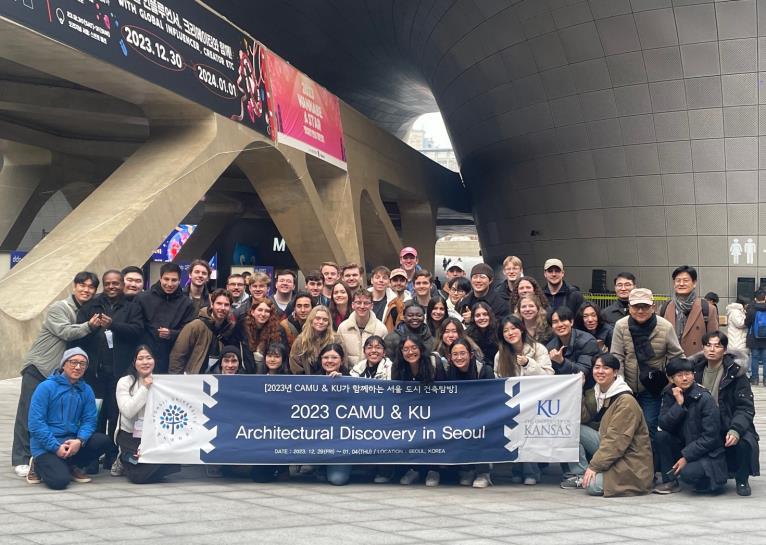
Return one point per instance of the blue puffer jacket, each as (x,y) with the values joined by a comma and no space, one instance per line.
(59,411)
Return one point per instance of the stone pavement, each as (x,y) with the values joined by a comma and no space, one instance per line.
(191,508)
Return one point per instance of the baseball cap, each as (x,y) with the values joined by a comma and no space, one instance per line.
(398,272)
(553,262)
(641,296)
(408,250)
(455,263)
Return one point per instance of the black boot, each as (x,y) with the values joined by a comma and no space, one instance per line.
(754,381)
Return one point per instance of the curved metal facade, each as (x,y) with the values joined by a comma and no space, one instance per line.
(613,134)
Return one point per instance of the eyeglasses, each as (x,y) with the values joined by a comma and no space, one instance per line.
(714,346)
(77,363)
(363,303)
(410,350)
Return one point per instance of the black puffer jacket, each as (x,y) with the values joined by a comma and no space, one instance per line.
(698,424)
(392,339)
(752,342)
(735,403)
(578,355)
(159,309)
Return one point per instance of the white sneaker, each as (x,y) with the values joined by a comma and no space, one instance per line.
(432,478)
(467,478)
(482,481)
(410,477)
(117,470)
(381,479)
(21,470)
(530,481)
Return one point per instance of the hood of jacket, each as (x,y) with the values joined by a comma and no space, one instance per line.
(734,307)
(616,387)
(157,290)
(227,325)
(732,357)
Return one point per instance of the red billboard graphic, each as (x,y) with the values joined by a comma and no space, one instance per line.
(307,115)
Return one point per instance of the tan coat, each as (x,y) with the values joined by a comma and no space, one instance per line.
(352,337)
(624,455)
(664,343)
(694,328)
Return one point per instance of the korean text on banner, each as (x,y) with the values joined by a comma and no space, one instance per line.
(256,419)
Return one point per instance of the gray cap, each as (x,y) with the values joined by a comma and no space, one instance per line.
(73,352)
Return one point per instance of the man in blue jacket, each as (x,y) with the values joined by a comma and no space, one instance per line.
(62,422)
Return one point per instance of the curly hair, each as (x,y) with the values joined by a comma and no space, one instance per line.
(270,332)
(538,291)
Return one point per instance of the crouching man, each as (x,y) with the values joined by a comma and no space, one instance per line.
(690,443)
(718,372)
(62,421)
(622,465)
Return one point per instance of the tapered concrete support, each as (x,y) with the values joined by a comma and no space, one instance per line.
(284,185)
(122,221)
(216,219)
(30,176)
(381,243)
(419,229)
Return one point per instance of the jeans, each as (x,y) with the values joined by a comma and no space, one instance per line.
(526,469)
(589,441)
(596,486)
(339,474)
(56,472)
(757,358)
(650,406)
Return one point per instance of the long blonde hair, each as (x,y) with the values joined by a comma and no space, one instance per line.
(308,344)
(542,329)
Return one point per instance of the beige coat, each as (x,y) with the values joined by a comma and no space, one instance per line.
(352,337)
(539,361)
(664,343)
(694,328)
(624,454)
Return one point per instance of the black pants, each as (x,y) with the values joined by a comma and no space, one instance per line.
(55,471)
(136,472)
(105,388)
(669,448)
(739,459)
(20,452)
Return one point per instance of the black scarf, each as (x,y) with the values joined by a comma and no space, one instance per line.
(640,335)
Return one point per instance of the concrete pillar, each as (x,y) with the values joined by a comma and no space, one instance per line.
(287,190)
(123,220)
(216,218)
(419,229)
(380,241)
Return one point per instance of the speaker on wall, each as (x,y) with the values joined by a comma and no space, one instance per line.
(746,287)
(598,281)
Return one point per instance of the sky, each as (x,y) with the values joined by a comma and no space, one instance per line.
(434,126)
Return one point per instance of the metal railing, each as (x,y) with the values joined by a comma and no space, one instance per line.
(603,300)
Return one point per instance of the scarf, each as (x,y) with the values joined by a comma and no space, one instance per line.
(640,335)
(617,386)
(683,308)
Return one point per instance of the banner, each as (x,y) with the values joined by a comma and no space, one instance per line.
(177,44)
(257,419)
(307,116)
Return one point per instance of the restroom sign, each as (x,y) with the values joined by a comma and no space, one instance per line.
(742,250)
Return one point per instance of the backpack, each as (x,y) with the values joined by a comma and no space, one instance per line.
(759,324)
(705,310)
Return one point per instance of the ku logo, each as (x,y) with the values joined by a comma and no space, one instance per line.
(548,407)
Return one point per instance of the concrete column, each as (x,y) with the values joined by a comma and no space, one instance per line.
(380,240)
(123,220)
(287,190)
(419,229)
(216,218)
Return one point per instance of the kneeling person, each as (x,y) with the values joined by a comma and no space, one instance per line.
(622,465)
(62,421)
(717,371)
(689,441)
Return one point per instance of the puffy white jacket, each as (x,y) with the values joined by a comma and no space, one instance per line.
(352,337)
(736,330)
(383,372)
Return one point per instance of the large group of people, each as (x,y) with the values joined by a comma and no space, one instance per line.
(666,394)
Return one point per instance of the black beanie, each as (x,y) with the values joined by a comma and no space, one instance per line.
(483,268)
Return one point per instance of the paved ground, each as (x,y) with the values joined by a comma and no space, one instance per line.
(191,508)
